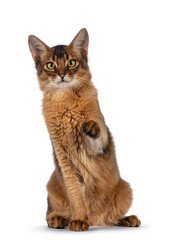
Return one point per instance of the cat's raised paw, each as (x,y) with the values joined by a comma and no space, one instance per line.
(77,225)
(130,221)
(57,222)
(91,128)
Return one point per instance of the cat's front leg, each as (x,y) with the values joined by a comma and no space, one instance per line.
(96,136)
(91,128)
(79,218)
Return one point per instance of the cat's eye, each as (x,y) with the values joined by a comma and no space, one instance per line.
(71,63)
(50,65)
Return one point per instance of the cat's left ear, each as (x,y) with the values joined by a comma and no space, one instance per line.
(37,47)
(81,41)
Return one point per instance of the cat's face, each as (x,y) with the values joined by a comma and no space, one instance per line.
(61,66)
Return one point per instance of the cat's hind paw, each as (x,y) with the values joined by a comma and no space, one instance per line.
(130,221)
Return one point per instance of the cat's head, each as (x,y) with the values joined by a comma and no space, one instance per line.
(61,66)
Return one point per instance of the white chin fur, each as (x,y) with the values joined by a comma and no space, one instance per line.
(58,83)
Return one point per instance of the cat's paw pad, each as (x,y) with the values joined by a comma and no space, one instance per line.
(77,225)
(57,222)
(130,221)
(91,128)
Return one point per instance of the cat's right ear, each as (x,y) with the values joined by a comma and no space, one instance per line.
(81,41)
(37,47)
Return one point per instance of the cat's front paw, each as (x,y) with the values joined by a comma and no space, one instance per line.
(91,128)
(57,222)
(77,225)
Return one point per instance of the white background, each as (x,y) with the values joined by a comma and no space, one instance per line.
(134,56)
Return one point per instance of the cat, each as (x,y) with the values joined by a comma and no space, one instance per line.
(85,188)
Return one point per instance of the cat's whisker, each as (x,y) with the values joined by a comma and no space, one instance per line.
(81,84)
(42,84)
(82,78)
(83,81)
(45,81)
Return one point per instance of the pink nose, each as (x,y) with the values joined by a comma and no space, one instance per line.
(62,75)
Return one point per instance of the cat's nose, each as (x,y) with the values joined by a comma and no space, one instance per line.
(62,75)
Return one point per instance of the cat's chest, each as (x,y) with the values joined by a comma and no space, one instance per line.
(67,117)
(64,121)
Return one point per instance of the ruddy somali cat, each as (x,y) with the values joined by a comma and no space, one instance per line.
(85,187)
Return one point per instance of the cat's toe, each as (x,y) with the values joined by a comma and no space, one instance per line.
(130,221)
(57,222)
(77,225)
(91,128)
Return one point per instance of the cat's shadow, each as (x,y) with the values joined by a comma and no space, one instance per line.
(91,229)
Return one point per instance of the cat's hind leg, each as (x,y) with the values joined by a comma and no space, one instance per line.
(58,211)
(122,202)
(119,207)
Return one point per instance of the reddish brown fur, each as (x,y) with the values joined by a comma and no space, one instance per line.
(85,187)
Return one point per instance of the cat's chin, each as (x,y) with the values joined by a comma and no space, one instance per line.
(61,85)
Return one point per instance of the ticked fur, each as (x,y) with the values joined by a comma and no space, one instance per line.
(85,188)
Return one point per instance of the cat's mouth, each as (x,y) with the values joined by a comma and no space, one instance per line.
(60,81)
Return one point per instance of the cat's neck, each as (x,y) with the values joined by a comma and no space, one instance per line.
(69,94)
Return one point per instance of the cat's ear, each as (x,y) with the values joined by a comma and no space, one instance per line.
(37,47)
(81,41)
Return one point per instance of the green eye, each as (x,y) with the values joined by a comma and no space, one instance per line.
(50,65)
(71,63)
